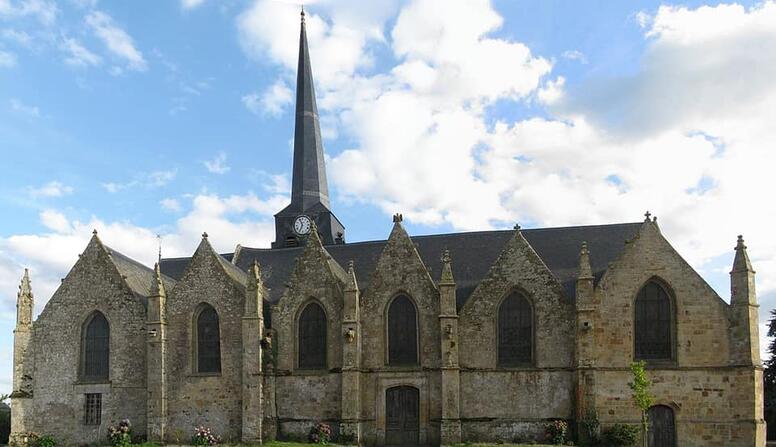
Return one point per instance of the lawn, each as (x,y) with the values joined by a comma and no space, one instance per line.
(302,444)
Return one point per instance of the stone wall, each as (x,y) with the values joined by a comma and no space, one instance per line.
(93,284)
(213,400)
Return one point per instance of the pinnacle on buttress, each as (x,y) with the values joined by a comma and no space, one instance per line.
(24,300)
(585,270)
(447,269)
(352,284)
(157,287)
(741,262)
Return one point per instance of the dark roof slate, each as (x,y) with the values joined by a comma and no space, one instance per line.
(139,278)
(473,254)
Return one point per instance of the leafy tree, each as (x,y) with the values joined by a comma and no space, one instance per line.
(769,377)
(641,395)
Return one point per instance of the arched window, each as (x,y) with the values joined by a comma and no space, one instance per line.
(96,348)
(402,332)
(208,341)
(653,323)
(312,337)
(515,331)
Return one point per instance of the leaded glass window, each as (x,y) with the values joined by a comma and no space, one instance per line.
(402,332)
(96,348)
(653,323)
(312,337)
(208,341)
(515,331)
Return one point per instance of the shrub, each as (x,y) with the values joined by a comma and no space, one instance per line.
(204,436)
(555,432)
(46,441)
(32,439)
(320,433)
(120,435)
(590,429)
(5,426)
(621,435)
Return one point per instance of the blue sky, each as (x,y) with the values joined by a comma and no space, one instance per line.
(143,118)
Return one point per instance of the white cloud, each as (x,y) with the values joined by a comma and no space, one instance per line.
(78,55)
(575,55)
(245,219)
(552,90)
(217,165)
(273,101)
(7,59)
(50,189)
(149,180)
(54,220)
(169,204)
(116,40)
(24,109)
(252,102)
(44,11)
(191,4)
(20,37)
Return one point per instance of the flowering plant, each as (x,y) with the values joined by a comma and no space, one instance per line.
(556,432)
(120,435)
(204,436)
(320,433)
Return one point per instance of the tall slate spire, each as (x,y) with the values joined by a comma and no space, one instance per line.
(309,185)
(309,188)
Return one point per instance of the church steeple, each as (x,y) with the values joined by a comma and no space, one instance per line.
(309,188)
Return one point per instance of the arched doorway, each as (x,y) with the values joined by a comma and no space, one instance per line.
(402,416)
(662,429)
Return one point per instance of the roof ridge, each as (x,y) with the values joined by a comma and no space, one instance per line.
(428,236)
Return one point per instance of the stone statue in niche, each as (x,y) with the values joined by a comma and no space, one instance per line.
(350,335)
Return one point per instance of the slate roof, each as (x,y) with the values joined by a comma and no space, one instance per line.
(139,278)
(473,254)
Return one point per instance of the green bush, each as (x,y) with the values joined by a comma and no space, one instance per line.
(620,435)
(46,441)
(556,431)
(5,426)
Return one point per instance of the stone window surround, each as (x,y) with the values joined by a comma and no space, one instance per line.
(528,297)
(297,316)
(402,379)
(193,340)
(673,361)
(80,390)
(85,320)
(417,331)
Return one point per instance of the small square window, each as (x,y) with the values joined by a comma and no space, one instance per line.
(92,409)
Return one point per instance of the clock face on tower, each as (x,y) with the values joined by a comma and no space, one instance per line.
(302,225)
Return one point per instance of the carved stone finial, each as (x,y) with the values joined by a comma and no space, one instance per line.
(516,227)
(397,218)
(94,232)
(647,215)
(204,235)
(447,269)
(741,262)
(585,271)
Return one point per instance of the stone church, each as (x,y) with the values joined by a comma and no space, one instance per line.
(426,340)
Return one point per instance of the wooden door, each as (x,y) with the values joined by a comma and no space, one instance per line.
(662,431)
(402,414)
